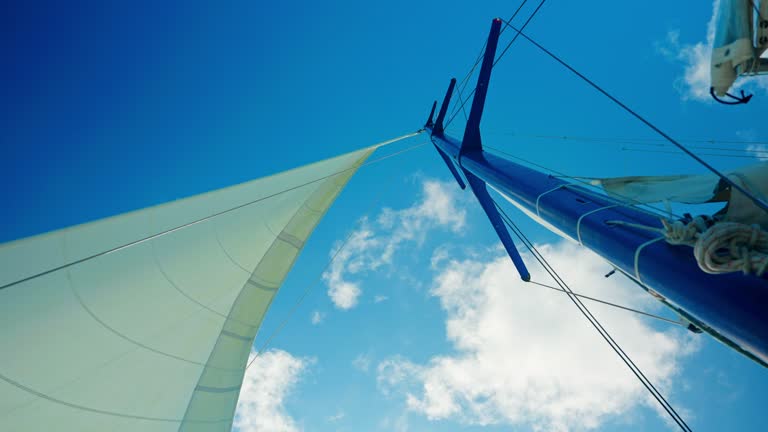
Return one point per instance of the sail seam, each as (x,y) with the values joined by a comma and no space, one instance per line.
(187,295)
(236,336)
(126,337)
(49,398)
(224,249)
(217,389)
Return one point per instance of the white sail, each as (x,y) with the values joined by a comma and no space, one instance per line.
(697,189)
(154,336)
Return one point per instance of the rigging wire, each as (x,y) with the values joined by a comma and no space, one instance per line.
(651,210)
(306,292)
(637,141)
(463,84)
(507,23)
(741,156)
(743,153)
(658,317)
(209,217)
(309,287)
(760,203)
(720,149)
(594,321)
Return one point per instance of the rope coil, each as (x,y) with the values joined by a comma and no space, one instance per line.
(719,247)
(729,247)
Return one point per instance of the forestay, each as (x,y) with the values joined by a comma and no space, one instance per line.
(155,336)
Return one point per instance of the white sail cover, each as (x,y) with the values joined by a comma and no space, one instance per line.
(696,189)
(741,36)
(154,336)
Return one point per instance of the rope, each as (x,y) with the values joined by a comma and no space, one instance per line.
(729,247)
(760,203)
(209,217)
(719,247)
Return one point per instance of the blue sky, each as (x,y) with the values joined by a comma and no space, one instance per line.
(108,108)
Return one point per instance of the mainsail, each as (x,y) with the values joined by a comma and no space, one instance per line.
(144,321)
(697,189)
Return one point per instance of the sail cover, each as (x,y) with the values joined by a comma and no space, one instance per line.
(154,336)
(697,189)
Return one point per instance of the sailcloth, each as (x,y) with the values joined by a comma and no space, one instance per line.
(153,336)
(697,189)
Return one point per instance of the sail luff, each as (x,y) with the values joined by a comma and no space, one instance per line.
(233,345)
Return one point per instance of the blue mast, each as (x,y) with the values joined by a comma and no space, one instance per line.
(730,307)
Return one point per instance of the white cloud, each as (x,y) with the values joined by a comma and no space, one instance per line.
(439,255)
(380,298)
(344,294)
(336,417)
(374,244)
(695,81)
(525,356)
(395,424)
(362,362)
(265,387)
(317,317)
(760,150)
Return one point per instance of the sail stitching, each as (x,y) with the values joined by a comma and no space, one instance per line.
(188,296)
(126,337)
(50,398)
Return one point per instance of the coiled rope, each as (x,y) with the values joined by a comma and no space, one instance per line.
(719,247)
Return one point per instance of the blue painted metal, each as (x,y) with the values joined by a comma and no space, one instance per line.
(431,125)
(430,122)
(478,186)
(730,307)
(451,167)
(481,192)
(438,128)
(472,141)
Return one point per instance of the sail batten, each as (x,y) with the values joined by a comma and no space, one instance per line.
(155,335)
